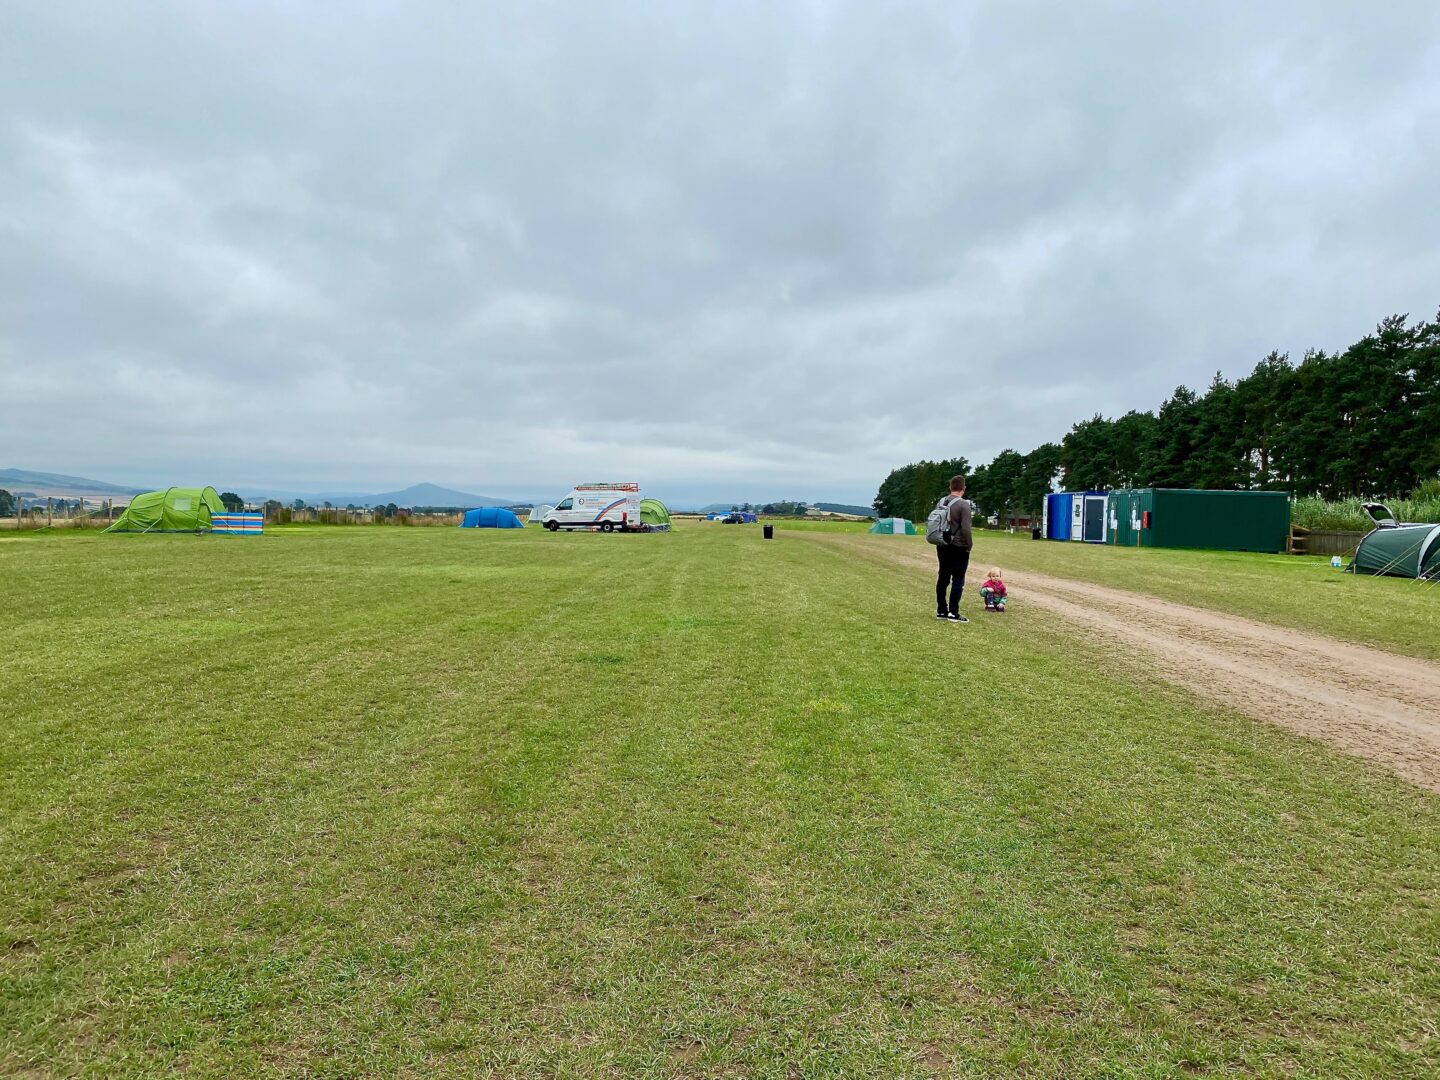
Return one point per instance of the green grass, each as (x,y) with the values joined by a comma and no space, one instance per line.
(436,803)
(1392,613)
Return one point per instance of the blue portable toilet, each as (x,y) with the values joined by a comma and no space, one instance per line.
(490,517)
(1076,515)
(1057,515)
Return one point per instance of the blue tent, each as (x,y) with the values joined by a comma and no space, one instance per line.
(490,517)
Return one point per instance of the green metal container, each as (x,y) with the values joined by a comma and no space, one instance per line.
(1195,518)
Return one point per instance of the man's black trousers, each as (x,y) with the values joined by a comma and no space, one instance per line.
(954,561)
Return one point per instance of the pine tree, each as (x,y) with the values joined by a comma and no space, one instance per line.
(1219,460)
(1132,439)
(1037,476)
(1172,456)
(1260,399)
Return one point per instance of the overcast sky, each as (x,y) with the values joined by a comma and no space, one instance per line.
(747,250)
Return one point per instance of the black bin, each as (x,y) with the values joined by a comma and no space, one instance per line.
(769,532)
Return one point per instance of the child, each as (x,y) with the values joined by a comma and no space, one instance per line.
(993,591)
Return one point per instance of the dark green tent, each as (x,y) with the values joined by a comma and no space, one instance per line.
(171,510)
(1411,551)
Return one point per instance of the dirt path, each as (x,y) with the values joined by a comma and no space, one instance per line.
(1363,701)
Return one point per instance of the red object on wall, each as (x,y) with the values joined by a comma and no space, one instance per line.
(1144,519)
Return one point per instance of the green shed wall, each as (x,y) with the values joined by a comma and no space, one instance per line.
(1194,518)
(1123,507)
(1220,520)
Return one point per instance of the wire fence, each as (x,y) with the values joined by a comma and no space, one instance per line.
(58,514)
(63,514)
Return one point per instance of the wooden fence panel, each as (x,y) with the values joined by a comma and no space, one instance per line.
(1324,541)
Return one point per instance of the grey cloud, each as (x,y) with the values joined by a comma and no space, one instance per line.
(768,249)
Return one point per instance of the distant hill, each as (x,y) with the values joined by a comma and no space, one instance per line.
(830,508)
(845,508)
(414,495)
(20,481)
(43,483)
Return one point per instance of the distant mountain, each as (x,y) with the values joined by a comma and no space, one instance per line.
(43,483)
(434,495)
(57,484)
(414,495)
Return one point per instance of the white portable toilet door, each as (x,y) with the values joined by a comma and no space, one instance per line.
(1077,517)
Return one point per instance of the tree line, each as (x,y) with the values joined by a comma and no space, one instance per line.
(1364,422)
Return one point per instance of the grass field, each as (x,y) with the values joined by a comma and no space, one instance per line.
(434,802)
(1392,613)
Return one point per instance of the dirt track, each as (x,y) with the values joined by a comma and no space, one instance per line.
(1363,701)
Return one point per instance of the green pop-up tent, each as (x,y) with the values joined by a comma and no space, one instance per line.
(893,526)
(654,512)
(172,510)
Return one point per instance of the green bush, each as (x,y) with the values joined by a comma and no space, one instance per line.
(1312,513)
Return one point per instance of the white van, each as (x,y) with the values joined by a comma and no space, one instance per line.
(606,507)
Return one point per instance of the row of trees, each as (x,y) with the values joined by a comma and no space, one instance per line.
(1012,484)
(273,507)
(779,509)
(911,490)
(1358,423)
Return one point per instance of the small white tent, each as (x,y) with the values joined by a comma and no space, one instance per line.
(537,514)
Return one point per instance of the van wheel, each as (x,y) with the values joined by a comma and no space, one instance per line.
(553,526)
(607,526)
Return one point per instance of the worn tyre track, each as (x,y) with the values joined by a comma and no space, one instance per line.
(1357,699)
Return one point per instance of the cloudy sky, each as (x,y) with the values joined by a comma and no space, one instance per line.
(730,250)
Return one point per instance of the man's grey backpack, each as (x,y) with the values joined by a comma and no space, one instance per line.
(938,522)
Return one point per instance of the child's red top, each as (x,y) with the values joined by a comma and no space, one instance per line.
(995,586)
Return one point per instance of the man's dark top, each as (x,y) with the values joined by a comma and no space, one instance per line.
(957,530)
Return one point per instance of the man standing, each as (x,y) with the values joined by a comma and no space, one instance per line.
(953,551)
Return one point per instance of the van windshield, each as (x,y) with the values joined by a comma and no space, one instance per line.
(566,505)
